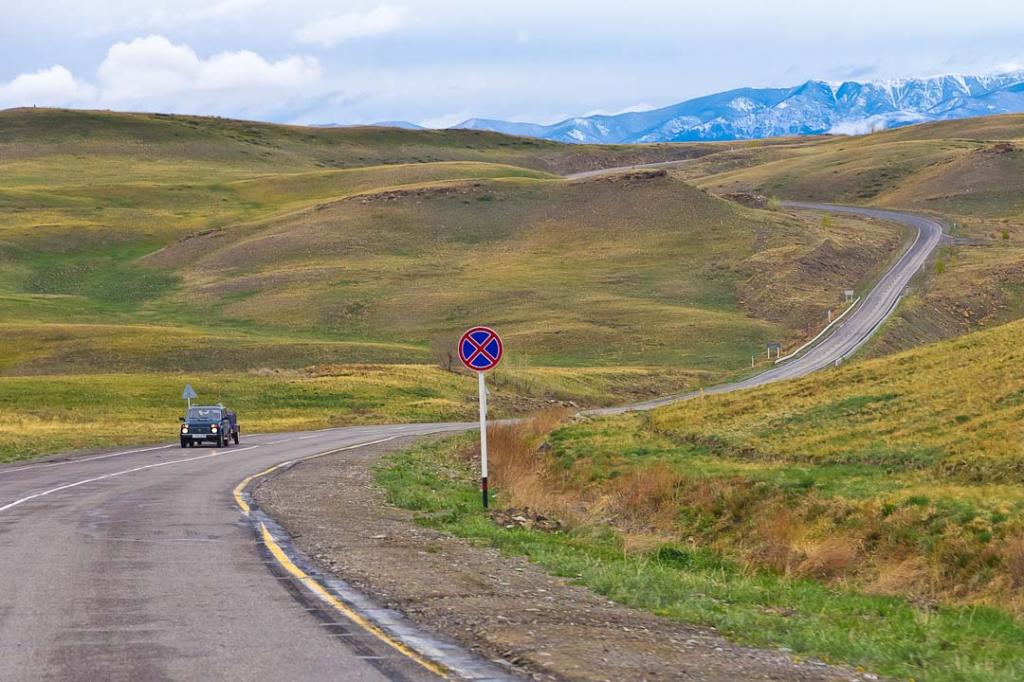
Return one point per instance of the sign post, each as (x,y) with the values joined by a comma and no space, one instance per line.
(483,437)
(480,349)
(188,395)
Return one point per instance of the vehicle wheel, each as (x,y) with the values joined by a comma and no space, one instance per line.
(235,436)
(191,443)
(185,442)
(220,441)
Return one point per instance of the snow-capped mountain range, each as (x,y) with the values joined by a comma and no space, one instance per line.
(812,108)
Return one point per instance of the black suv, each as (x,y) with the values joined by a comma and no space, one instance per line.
(215,424)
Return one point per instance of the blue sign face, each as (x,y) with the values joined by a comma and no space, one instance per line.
(480,349)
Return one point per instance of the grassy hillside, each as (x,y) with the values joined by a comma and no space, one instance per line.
(871,514)
(900,475)
(969,173)
(93,146)
(602,271)
(236,249)
(950,411)
(172,248)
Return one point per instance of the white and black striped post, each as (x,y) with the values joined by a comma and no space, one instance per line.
(480,349)
(483,437)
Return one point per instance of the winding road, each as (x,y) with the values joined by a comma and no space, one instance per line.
(148,564)
(858,326)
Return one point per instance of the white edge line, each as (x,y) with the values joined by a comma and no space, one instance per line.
(44,465)
(820,334)
(874,328)
(115,474)
(351,447)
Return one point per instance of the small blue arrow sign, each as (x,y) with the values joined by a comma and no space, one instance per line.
(189,393)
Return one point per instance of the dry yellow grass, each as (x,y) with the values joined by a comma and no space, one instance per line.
(954,407)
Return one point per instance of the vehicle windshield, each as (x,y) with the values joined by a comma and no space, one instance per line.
(204,414)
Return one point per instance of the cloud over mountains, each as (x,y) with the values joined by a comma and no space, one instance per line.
(154,73)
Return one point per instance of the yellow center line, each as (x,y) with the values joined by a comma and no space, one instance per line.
(316,588)
(240,488)
(313,586)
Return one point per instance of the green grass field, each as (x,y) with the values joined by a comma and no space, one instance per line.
(102,408)
(871,515)
(678,578)
(168,248)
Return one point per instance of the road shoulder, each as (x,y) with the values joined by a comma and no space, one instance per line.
(501,607)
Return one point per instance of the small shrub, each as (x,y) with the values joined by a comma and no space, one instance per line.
(444,352)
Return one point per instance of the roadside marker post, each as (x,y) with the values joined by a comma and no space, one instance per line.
(480,349)
(188,394)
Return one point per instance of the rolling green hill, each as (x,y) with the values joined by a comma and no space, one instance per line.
(170,246)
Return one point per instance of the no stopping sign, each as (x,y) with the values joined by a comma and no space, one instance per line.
(480,349)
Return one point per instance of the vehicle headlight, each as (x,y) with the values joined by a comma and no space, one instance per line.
(213,428)
(184,429)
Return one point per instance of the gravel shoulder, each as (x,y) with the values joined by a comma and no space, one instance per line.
(501,607)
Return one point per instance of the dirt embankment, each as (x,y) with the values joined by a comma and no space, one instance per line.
(503,608)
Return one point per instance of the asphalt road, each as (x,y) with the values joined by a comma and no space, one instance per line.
(138,565)
(855,329)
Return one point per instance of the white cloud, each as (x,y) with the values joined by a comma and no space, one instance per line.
(146,67)
(155,70)
(55,86)
(232,70)
(350,25)
(155,74)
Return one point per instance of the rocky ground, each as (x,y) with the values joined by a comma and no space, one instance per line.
(503,608)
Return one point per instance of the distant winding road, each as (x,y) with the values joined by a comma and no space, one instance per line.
(858,326)
(140,564)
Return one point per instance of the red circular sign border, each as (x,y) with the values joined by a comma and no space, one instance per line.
(501,349)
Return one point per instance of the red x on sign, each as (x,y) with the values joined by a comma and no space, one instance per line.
(480,349)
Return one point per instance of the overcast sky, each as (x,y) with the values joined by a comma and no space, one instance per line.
(437,62)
